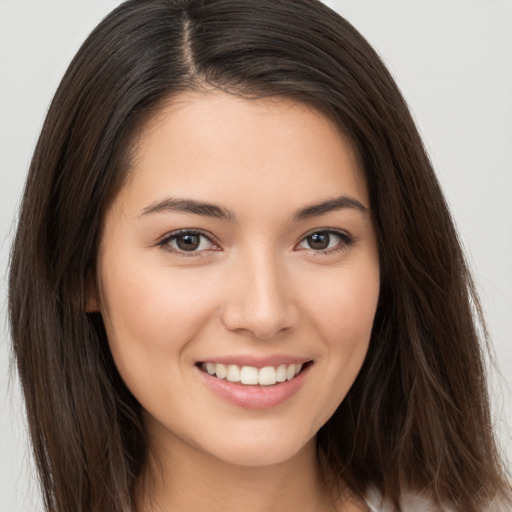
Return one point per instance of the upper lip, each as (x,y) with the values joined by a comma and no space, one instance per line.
(256,361)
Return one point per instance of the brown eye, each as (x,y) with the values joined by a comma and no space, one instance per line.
(319,241)
(188,242)
(325,241)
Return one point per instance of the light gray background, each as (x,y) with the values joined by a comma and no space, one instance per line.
(453,62)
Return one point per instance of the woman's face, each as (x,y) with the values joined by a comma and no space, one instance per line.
(240,248)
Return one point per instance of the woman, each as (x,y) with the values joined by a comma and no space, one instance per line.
(246,291)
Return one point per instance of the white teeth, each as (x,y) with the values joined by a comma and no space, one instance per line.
(281,373)
(250,375)
(220,371)
(267,376)
(233,373)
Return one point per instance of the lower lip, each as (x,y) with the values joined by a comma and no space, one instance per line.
(255,397)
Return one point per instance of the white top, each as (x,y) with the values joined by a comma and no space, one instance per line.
(411,502)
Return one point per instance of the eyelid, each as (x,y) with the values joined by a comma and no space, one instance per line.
(164,241)
(347,240)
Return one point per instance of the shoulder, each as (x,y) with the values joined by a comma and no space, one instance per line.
(417,502)
(410,502)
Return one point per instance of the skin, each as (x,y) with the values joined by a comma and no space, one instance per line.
(257,288)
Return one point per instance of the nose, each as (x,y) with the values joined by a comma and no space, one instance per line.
(260,300)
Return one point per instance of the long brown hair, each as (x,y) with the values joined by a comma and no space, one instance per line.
(417,416)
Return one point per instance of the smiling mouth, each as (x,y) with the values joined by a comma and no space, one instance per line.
(252,376)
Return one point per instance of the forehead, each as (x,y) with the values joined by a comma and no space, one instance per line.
(218,144)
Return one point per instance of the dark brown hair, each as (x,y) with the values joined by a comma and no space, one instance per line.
(417,416)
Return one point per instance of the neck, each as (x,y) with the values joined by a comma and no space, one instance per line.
(187,479)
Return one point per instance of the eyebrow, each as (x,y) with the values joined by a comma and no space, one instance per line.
(189,206)
(211,210)
(331,205)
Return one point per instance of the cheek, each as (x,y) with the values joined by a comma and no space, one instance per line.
(151,313)
(344,306)
(343,315)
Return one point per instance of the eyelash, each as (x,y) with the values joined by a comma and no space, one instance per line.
(164,243)
(346,241)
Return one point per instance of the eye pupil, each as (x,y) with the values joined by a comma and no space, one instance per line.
(188,242)
(319,241)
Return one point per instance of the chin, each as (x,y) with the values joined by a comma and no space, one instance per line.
(260,451)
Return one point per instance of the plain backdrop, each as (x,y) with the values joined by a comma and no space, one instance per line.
(453,62)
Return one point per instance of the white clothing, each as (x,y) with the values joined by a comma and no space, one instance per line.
(411,502)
